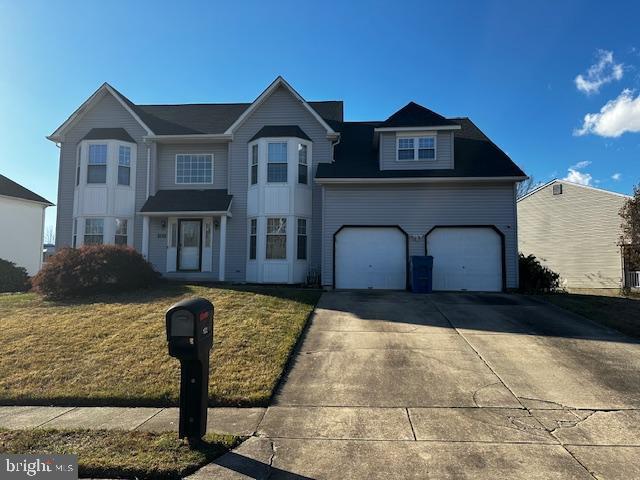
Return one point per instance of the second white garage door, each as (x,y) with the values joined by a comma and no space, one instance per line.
(466,259)
(371,257)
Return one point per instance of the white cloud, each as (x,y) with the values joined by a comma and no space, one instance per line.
(616,176)
(605,70)
(616,117)
(581,165)
(576,176)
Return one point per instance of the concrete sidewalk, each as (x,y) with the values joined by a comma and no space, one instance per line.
(234,421)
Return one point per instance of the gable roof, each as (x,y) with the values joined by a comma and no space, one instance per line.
(414,115)
(567,182)
(475,156)
(9,188)
(194,118)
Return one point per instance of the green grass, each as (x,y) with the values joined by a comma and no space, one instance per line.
(111,349)
(620,313)
(120,454)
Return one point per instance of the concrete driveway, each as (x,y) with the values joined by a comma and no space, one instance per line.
(482,386)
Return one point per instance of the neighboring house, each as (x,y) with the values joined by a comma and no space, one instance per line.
(22,214)
(283,190)
(48,251)
(575,231)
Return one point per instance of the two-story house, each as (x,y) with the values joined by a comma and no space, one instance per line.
(283,190)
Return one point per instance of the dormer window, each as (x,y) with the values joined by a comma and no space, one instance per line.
(416,148)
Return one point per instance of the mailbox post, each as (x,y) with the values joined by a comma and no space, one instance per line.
(190,338)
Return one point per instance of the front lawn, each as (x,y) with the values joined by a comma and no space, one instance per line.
(620,313)
(120,454)
(111,349)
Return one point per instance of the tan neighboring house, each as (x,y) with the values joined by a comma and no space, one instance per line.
(575,230)
(22,214)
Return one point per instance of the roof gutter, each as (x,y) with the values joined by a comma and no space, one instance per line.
(339,181)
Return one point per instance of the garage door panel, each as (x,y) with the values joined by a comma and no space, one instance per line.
(370,258)
(466,259)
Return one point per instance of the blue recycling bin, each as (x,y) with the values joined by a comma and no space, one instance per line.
(421,274)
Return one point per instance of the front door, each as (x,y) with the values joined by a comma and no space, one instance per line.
(189,248)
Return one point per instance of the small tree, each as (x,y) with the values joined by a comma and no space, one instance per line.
(526,186)
(50,235)
(630,236)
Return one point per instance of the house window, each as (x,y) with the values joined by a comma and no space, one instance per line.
(78,160)
(276,238)
(74,239)
(277,162)
(416,148)
(254,164)
(124,165)
(192,168)
(253,239)
(97,167)
(302,239)
(303,176)
(557,189)
(121,231)
(94,231)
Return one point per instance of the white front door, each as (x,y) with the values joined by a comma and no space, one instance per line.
(371,257)
(466,259)
(189,234)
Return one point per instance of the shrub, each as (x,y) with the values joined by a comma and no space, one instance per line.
(13,278)
(94,269)
(536,278)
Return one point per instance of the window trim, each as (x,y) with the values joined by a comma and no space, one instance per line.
(175,165)
(253,237)
(116,234)
(105,164)
(300,164)
(306,242)
(255,165)
(286,239)
(119,165)
(286,162)
(416,147)
(85,234)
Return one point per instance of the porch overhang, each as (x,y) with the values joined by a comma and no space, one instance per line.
(188,202)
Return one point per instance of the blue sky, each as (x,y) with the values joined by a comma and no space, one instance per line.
(511,66)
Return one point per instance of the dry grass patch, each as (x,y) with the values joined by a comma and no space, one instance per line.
(120,454)
(111,350)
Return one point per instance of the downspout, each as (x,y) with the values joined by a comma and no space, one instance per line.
(333,148)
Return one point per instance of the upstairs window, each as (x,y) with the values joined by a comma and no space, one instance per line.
(121,231)
(303,169)
(94,231)
(277,162)
(78,160)
(276,238)
(416,148)
(192,168)
(97,166)
(254,164)
(124,165)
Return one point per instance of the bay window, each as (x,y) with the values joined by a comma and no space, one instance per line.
(121,231)
(124,165)
(303,173)
(276,238)
(253,239)
(277,162)
(97,165)
(254,164)
(94,231)
(302,239)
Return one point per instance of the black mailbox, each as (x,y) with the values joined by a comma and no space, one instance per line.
(190,338)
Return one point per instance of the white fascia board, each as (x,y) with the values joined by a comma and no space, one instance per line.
(225,213)
(329,181)
(573,184)
(192,138)
(416,129)
(82,109)
(266,94)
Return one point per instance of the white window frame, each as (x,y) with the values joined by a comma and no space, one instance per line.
(285,235)
(194,154)
(416,147)
(286,162)
(305,164)
(104,143)
(115,231)
(253,236)
(306,242)
(121,165)
(85,234)
(255,165)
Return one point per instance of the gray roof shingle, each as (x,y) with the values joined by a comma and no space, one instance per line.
(281,131)
(9,188)
(108,134)
(210,200)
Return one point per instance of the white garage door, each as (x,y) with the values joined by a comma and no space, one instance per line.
(466,259)
(371,258)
